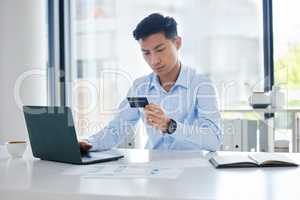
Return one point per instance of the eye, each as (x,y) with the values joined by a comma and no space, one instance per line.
(146,53)
(160,50)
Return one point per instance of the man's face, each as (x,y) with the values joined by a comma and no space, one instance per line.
(160,53)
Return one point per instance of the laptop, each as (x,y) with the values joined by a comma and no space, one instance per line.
(53,137)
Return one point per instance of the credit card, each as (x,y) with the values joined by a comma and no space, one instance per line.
(137,102)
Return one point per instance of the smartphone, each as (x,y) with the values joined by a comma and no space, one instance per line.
(137,102)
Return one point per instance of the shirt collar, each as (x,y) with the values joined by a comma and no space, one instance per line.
(182,79)
(154,82)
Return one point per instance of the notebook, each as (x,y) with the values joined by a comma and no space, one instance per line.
(252,160)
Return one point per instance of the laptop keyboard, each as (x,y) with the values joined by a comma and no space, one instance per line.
(91,156)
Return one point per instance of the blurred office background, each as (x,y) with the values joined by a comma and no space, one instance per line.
(221,38)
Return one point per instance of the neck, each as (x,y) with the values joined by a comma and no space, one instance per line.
(169,80)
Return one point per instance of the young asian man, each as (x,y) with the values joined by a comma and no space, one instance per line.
(182,114)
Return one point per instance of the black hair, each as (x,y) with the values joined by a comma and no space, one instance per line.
(156,23)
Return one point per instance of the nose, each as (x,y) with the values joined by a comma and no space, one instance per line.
(154,60)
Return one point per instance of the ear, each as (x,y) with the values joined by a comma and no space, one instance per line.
(178,42)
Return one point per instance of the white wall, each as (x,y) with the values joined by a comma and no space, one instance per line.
(22,49)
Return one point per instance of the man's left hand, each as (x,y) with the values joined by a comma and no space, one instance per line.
(156,117)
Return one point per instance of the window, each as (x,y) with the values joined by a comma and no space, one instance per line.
(286,26)
(287,48)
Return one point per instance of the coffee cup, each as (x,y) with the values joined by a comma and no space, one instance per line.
(16,148)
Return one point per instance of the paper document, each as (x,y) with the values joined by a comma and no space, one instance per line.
(180,163)
(124,171)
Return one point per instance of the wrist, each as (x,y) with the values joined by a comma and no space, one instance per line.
(166,125)
(168,121)
(171,127)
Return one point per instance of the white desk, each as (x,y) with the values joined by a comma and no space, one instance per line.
(32,179)
(270,122)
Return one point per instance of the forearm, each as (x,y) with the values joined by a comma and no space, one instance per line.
(111,136)
(103,140)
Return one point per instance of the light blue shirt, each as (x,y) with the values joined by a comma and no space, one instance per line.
(191,102)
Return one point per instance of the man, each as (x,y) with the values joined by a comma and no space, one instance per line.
(182,114)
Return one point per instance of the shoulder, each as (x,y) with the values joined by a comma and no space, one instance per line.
(197,77)
(202,83)
(143,80)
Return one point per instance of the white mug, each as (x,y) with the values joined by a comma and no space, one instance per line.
(16,148)
(259,100)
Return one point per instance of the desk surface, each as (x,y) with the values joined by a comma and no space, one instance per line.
(29,178)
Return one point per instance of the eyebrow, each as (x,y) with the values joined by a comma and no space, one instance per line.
(155,48)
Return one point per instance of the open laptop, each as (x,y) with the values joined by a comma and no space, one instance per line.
(53,137)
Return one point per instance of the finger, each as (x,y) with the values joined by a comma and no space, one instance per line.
(154,125)
(88,147)
(155,122)
(147,116)
(152,120)
(146,108)
(85,146)
(148,112)
(157,110)
(155,116)
(152,106)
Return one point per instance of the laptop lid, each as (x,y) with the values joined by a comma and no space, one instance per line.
(52,134)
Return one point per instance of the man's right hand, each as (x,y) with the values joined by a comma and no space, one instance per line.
(84,145)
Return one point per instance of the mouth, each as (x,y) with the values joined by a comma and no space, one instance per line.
(159,68)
